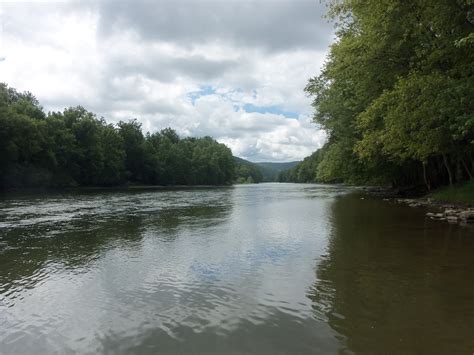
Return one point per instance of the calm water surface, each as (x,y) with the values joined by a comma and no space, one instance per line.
(255,269)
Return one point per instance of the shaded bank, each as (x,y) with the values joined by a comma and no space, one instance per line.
(462,194)
(392,280)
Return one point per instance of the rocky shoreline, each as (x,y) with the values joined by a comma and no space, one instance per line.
(442,212)
(439,211)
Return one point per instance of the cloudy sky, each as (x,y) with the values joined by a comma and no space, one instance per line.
(234,70)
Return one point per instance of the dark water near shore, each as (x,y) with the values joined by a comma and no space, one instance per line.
(260,269)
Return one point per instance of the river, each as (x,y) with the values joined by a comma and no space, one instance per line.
(248,269)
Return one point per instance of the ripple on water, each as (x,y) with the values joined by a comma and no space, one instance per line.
(251,269)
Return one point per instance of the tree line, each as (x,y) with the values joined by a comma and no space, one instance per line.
(247,172)
(77,148)
(396,95)
(304,171)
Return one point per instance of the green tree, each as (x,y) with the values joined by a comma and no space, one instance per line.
(133,142)
(76,148)
(395,95)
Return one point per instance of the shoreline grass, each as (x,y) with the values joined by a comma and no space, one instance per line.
(457,194)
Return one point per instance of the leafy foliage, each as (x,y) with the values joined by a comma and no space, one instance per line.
(305,171)
(271,170)
(247,172)
(76,148)
(396,95)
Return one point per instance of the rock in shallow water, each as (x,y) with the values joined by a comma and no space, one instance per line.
(467,216)
(452,219)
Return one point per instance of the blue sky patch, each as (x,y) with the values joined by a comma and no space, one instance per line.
(270,109)
(204,90)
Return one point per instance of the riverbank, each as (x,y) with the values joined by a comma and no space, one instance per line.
(458,194)
(453,204)
(41,190)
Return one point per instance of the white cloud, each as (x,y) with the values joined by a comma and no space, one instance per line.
(121,65)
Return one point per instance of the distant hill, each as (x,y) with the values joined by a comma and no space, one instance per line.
(271,170)
(247,171)
(242,161)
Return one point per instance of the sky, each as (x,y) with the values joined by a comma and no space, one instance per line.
(233,70)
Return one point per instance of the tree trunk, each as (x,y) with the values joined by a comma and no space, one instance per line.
(467,168)
(446,165)
(427,182)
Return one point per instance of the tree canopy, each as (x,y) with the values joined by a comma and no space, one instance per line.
(77,148)
(247,172)
(396,94)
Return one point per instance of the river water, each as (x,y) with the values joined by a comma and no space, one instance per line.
(249,269)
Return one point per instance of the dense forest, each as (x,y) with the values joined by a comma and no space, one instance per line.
(304,171)
(271,170)
(76,148)
(396,95)
(247,172)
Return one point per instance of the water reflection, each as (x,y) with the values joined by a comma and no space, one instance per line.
(216,271)
(394,282)
(39,236)
(229,271)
